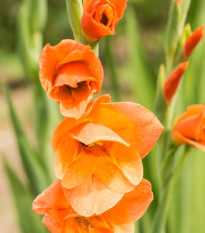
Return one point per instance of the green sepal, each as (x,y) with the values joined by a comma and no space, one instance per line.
(180,51)
(161,105)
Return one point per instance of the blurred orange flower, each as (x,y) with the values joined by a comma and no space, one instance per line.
(70,73)
(193,41)
(100,17)
(190,127)
(108,142)
(173,81)
(60,217)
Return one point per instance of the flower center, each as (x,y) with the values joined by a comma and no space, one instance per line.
(98,143)
(83,223)
(104,20)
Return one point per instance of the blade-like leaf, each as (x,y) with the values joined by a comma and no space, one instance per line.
(141,79)
(28,220)
(33,165)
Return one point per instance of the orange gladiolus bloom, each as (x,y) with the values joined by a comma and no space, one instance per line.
(173,81)
(190,127)
(70,73)
(193,41)
(107,142)
(60,217)
(100,17)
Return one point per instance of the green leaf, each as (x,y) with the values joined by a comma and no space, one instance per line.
(41,117)
(28,220)
(142,81)
(33,164)
(38,15)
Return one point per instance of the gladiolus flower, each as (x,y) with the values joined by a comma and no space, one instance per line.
(60,217)
(190,127)
(70,73)
(193,41)
(100,17)
(173,81)
(108,142)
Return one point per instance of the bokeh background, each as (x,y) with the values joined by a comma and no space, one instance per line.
(131,61)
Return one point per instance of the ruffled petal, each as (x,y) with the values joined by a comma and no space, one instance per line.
(69,123)
(66,152)
(89,133)
(51,199)
(190,127)
(180,138)
(112,177)
(137,201)
(92,197)
(80,170)
(128,161)
(132,122)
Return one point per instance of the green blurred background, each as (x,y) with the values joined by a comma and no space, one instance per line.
(131,61)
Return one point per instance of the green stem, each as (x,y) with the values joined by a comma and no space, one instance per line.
(75,12)
(166,194)
(113,73)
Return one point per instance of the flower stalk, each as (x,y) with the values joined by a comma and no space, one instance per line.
(75,12)
(160,217)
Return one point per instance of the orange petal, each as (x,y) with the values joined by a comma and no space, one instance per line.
(51,199)
(193,41)
(91,22)
(173,81)
(192,111)
(132,122)
(62,130)
(191,126)
(80,170)
(70,63)
(82,92)
(112,177)
(93,30)
(89,133)
(74,109)
(179,137)
(88,57)
(137,201)
(51,56)
(196,107)
(66,152)
(129,162)
(73,73)
(68,123)
(101,99)
(52,225)
(120,6)
(119,220)
(92,198)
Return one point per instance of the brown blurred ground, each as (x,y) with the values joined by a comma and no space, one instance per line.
(8,148)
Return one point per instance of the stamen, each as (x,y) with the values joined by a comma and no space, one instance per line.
(104,20)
